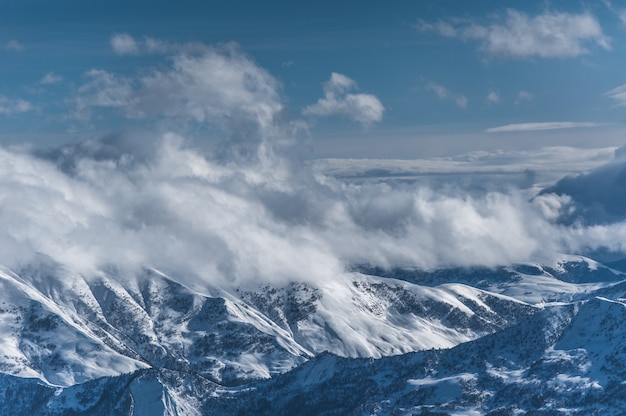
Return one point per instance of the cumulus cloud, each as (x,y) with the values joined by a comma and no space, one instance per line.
(50,78)
(220,86)
(176,204)
(186,215)
(104,89)
(444,93)
(124,44)
(212,223)
(363,108)
(492,97)
(595,197)
(548,125)
(518,35)
(12,106)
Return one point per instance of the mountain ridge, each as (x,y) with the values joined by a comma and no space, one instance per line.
(91,342)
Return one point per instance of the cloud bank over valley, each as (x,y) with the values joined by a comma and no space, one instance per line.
(252,212)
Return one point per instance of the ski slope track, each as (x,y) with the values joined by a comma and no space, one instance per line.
(539,338)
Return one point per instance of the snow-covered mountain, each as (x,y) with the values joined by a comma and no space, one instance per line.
(66,328)
(546,338)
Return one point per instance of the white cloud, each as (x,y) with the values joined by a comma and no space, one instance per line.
(440,91)
(220,86)
(595,197)
(523,96)
(136,202)
(518,35)
(461,101)
(621,13)
(104,89)
(443,94)
(13,45)
(253,232)
(50,78)
(618,94)
(167,206)
(339,83)
(363,108)
(440,27)
(10,106)
(493,97)
(156,46)
(124,44)
(547,164)
(550,125)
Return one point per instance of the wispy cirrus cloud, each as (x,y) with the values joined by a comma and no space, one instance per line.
(338,101)
(550,125)
(619,12)
(125,44)
(444,93)
(515,34)
(12,106)
(13,45)
(618,94)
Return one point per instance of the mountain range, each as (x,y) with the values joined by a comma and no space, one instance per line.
(523,339)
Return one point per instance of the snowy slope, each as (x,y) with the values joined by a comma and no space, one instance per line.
(366,316)
(65,329)
(461,341)
(108,324)
(563,360)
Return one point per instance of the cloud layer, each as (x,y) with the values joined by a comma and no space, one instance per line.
(166,205)
(518,35)
(132,201)
(548,125)
(595,197)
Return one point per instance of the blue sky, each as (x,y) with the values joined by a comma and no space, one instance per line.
(412,78)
